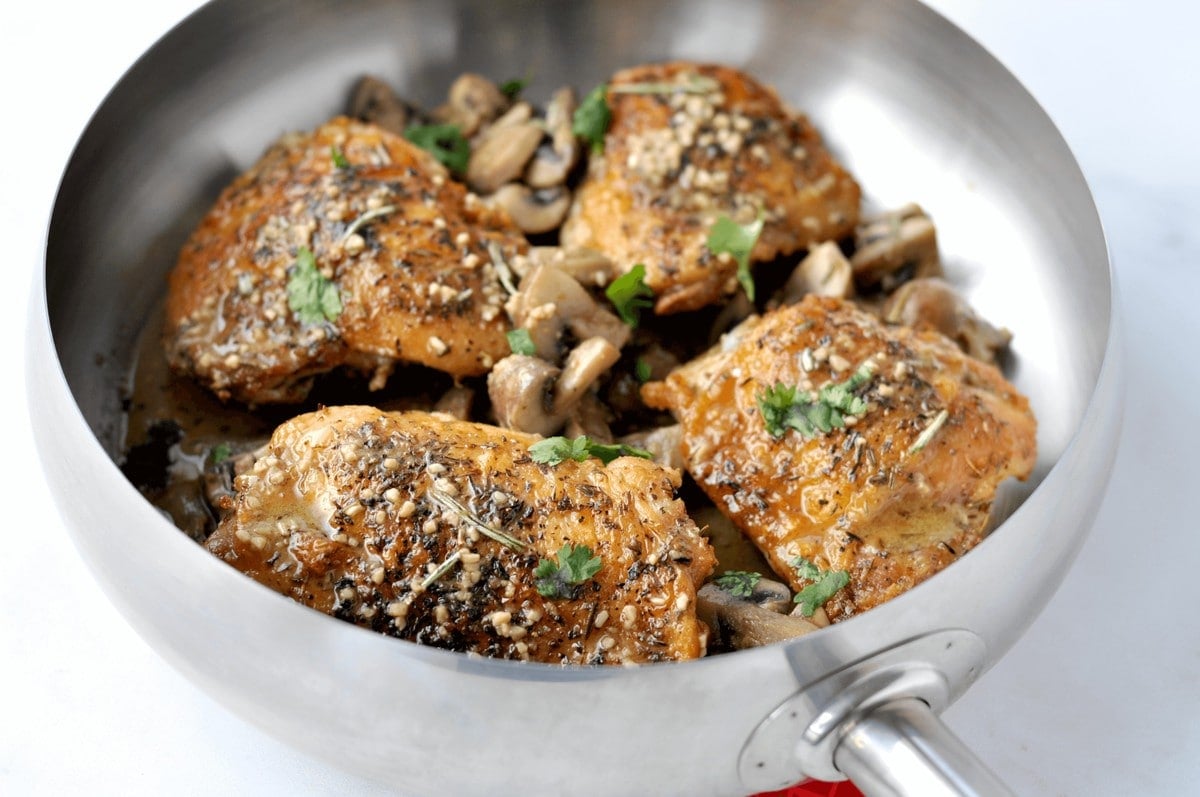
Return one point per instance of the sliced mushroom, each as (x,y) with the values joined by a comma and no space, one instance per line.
(520,388)
(548,300)
(501,156)
(739,623)
(819,618)
(533,211)
(518,114)
(932,303)
(895,247)
(586,266)
(590,417)
(457,402)
(825,271)
(586,363)
(473,102)
(374,101)
(663,443)
(556,157)
(737,310)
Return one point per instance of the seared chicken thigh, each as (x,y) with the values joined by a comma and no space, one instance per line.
(687,144)
(347,246)
(431,529)
(900,482)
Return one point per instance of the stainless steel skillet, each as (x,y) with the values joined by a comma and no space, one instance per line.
(916,110)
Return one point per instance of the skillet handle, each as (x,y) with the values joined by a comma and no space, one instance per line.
(902,749)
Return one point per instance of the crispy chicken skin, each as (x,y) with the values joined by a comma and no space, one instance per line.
(674,162)
(893,497)
(415,281)
(349,509)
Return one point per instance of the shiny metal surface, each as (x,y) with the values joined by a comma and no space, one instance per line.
(801,735)
(916,110)
(901,749)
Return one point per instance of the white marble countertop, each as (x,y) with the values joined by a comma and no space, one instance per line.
(1101,697)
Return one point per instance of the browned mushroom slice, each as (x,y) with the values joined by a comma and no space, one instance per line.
(737,310)
(932,304)
(501,155)
(894,247)
(533,211)
(456,402)
(738,623)
(549,300)
(531,395)
(590,418)
(586,363)
(557,156)
(521,389)
(374,101)
(473,102)
(663,443)
(825,271)
(586,266)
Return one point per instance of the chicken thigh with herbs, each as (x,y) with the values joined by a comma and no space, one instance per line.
(347,246)
(841,445)
(688,144)
(448,533)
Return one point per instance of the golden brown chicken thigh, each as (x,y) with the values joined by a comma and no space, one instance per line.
(391,520)
(401,271)
(902,489)
(702,142)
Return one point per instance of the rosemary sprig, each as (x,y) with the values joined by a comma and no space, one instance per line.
(451,505)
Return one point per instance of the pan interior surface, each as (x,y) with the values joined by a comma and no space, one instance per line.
(913,108)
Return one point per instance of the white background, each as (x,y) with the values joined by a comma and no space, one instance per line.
(1101,697)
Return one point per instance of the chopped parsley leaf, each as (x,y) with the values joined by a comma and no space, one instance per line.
(592,117)
(738,583)
(310,296)
(554,450)
(513,88)
(642,370)
(786,407)
(726,235)
(339,157)
(630,294)
(575,565)
(824,585)
(520,342)
(219,453)
(445,142)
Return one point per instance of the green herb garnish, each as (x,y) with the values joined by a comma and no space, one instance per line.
(641,369)
(219,453)
(726,235)
(592,117)
(694,84)
(520,342)
(554,450)
(310,296)
(445,142)
(928,432)
(575,565)
(339,157)
(824,585)
(630,294)
(786,407)
(513,88)
(738,583)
